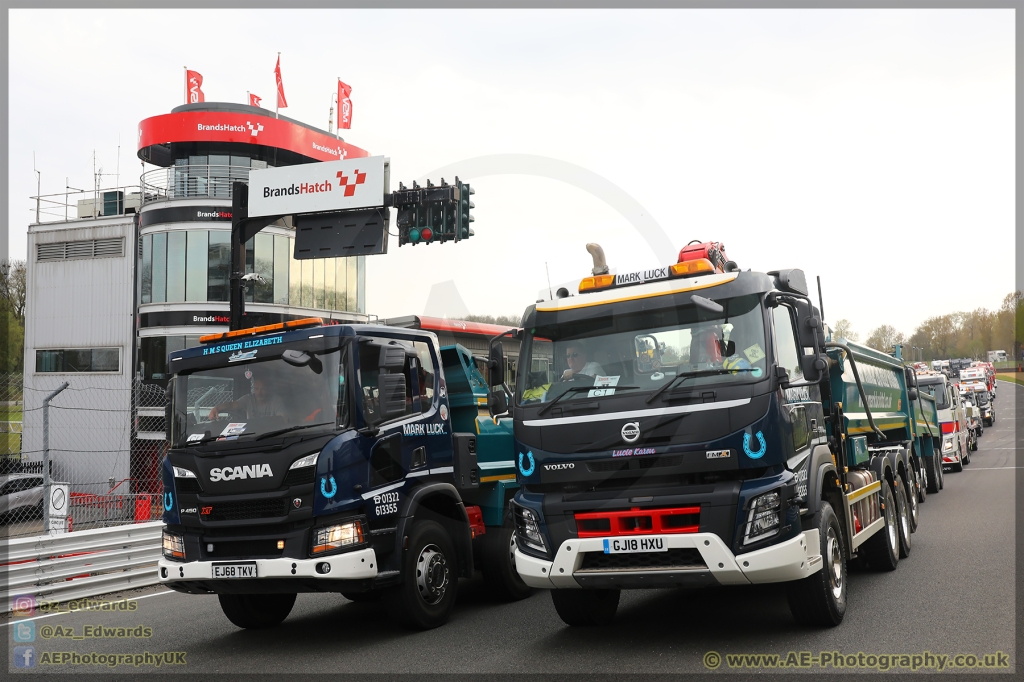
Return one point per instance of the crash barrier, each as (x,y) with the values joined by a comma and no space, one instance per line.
(68,566)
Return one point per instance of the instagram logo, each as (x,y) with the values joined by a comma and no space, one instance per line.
(24,605)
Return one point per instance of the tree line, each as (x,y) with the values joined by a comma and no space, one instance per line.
(12,315)
(954,335)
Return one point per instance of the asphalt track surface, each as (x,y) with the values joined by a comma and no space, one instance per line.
(955,594)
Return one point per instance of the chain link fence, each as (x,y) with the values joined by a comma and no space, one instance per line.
(103,440)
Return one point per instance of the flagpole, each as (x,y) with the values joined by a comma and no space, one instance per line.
(337,131)
(276,85)
(186,85)
(248,98)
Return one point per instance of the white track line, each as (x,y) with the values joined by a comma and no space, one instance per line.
(989,468)
(65,613)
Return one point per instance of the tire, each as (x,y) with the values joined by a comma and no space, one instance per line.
(430,579)
(256,611)
(974,443)
(922,483)
(499,564)
(882,550)
(362,597)
(931,474)
(585,608)
(941,473)
(910,495)
(965,454)
(903,517)
(820,599)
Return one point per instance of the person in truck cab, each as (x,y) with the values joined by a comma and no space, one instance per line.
(261,402)
(576,358)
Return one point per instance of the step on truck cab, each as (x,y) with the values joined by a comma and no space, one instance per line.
(687,425)
(344,458)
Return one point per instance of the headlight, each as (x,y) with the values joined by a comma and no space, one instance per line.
(947,444)
(336,537)
(183,473)
(307,461)
(528,529)
(763,518)
(174,546)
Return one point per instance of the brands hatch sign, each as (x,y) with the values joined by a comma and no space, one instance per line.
(314,187)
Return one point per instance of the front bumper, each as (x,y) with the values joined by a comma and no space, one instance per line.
(285,573)
(793,559)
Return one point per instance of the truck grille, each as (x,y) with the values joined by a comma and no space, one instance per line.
(249,509)
(673,559)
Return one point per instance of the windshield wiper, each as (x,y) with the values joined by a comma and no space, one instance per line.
(688,375)
(577,389)
(278,432)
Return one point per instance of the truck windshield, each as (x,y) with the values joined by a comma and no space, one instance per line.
(642,352)
(936,390)
(253,399)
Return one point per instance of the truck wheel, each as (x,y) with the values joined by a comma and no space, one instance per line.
(499,563)
(910,495)
(974,443)
(254,611)
(586,607)
(882,550)
(430,579)
(922,482)
(820,599)
(940,472)
(931,474)
(903,517)
(965,455)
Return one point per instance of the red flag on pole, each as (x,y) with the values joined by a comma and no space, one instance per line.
(281,101)
(344,105)
(254,101)
(194,81)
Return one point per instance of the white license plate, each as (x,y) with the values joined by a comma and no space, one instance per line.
(634,545)
(234,570)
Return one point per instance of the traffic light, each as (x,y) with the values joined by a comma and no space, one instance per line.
(464,218)
(433,213)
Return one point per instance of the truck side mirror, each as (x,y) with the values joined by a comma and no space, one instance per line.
(811,338)
(497,402)
(168,409)
(912,394)
(496,364)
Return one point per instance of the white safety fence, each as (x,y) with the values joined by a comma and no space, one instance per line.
(85,563)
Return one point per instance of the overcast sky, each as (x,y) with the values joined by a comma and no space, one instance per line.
(873,148)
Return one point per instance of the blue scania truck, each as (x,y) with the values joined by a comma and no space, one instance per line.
(695,425)
(355,459)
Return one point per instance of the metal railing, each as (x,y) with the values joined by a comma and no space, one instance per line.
(75,204)
(75,565)
(182,182)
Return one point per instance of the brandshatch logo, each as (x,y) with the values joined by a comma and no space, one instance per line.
(357,178)
(339,152)
(255,129)
(213,214)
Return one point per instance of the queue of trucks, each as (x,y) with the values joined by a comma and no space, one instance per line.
(687,425)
